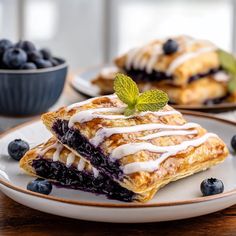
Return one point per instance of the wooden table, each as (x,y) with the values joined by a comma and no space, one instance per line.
(16,219)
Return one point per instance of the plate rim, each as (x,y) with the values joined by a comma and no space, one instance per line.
(215,107)
(120,205)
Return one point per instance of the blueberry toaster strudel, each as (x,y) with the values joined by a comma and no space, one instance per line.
(56,163)
(142,152)
(179,66)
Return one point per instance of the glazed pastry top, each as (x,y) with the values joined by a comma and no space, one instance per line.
(192,57)
(141,142)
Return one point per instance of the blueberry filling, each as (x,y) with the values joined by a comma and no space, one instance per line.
(216,100)
(82,180)
(156,76)
(208,102)
(143,76)
(75,140)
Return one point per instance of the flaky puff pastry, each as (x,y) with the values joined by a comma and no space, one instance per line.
(82,172)
(195,93)
(193,57)
(110,142)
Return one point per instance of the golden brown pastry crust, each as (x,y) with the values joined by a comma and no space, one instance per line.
(197,65)
(195,93)
(26,161)
(186,162)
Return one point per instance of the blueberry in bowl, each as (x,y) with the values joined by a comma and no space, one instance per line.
(31,80)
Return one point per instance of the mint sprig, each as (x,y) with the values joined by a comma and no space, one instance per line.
(228,62)
(127,91)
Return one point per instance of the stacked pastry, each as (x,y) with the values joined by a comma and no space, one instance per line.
(96,148)
(187,69)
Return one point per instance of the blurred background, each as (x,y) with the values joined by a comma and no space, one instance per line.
(89,32)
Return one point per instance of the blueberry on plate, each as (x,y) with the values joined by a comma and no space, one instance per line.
(233,142)
(17,149)
(211,186)
(27,46)
(46,54)
(29,66)
(170,46)
(41,63)
(40,186)
(14,58)
(34,55)
(5,44)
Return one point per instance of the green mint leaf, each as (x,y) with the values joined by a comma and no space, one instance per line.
(227,61)
(129,111)
(232,83)
(126,89)
(152,100)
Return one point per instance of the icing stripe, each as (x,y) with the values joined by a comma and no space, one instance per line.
(131,148)
(87,115)
(79,104)
(70,159)
(151,166)
(81,164)
(107,132)
(95,172)
(168,133)
(56,154)
(185,57)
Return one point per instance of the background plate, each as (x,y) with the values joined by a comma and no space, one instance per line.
(82,84)
(178,200)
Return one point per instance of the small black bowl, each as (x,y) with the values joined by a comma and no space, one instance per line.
(30,92)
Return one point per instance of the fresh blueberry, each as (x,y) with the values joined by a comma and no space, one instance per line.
(5,44)
(170,46)
(14,58)
(211,186)
(40,186)
(41,63)
(233,142)
(34,55)
(54,61)
(27,46)
(46,53)
(29,66)
(17,149)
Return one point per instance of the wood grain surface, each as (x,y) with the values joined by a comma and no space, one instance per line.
(16,219)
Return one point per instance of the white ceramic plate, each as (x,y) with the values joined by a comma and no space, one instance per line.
(82,84)
(178,200)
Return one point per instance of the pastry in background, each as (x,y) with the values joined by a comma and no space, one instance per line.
(189,70)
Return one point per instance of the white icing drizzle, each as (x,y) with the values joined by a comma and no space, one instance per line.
(108,72)
(95,172)
(81,164)
(185,57)
(168,133)
(153,165)
(157,51)
(70,159)
(87,115)
(56,154)
(79,104)
(107,132)
(135,57)
(54,145)
(130,57)
(221,76)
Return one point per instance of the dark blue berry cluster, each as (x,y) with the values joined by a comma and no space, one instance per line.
(24,55)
